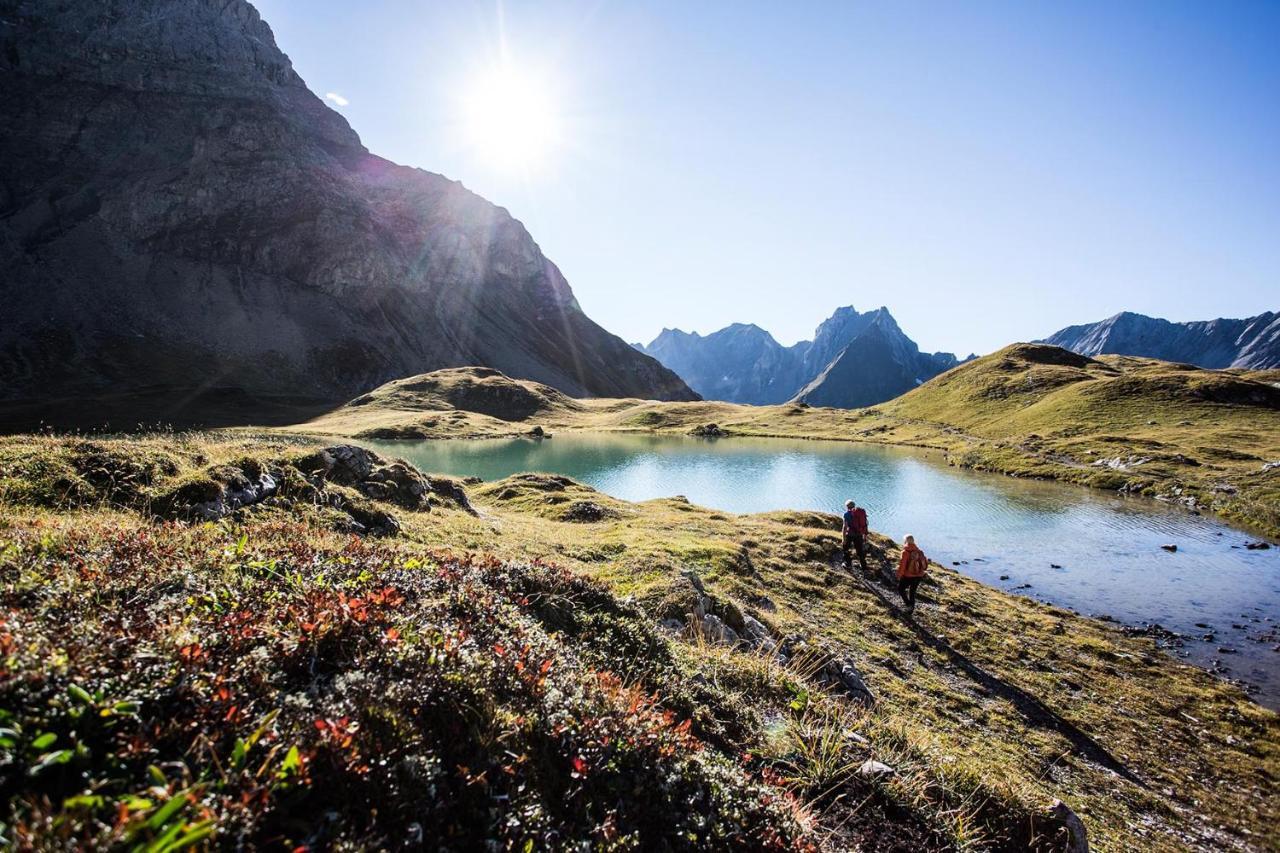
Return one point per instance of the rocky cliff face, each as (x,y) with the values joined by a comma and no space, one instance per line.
(178,210)
(741,363)
(878,364)
(854,359)
(1250,343)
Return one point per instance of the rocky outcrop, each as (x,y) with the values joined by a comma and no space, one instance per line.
(179,213)
(1252,343)
(222,491)
(854,359)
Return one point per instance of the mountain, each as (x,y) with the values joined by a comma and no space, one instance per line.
(854,359)
(740,363)
(179,212)
(878,364)
(1252,343)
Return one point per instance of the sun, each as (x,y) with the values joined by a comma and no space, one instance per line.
(511,119)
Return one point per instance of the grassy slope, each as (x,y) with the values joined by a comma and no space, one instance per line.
(1181,433)
(998,706)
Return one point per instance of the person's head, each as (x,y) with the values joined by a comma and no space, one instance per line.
(849,504)
(909,539)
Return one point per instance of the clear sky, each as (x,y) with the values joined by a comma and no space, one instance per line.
(989,171)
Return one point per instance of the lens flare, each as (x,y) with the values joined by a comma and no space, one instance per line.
(511,120)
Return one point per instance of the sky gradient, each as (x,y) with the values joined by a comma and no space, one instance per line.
(991,172)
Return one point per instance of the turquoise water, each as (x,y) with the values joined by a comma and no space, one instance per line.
(1092,551)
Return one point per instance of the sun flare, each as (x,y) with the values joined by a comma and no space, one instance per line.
(511,120)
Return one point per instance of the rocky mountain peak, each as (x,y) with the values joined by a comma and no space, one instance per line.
(178,211)
(854,359)
(1253,342)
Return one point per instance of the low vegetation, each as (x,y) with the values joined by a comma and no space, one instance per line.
(364,655)
(1205,439)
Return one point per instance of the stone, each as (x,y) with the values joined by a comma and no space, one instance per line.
(587,512)
(846,676)
(1258,546)
(233,497)
(1078,837)
(694,579)
(716,631)
(757,634)
(708,431)
(872,769)
(1171,548)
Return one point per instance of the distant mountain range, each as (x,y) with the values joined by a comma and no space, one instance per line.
(179,213)
(855,359)
(1250,343)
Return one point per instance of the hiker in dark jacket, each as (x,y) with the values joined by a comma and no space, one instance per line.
(855,534)
(911,568)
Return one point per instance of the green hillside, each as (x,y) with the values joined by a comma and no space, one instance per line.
(271,642)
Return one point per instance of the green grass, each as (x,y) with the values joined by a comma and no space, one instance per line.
(422,653)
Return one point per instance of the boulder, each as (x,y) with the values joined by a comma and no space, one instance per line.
(708,431)
(716,631)
(757,634)
(233,496)
(844,675)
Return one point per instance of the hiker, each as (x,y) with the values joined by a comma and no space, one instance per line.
(855,534)
(911,568)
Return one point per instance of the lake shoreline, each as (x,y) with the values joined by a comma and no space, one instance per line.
(1173,623)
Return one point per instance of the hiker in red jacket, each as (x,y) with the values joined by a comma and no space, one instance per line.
(911,568)
(855,534)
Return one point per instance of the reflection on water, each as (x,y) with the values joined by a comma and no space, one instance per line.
(1096,552)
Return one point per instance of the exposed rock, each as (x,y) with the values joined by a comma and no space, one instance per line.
(448,489)
(757,635)
(854,359)
(694,579)
(1079,837)
(181,212)
(708,431)
(715,630)
(878,364)
(1170,547)
(587,512)
(374,477)
(845,675)
(872,769)
(232,496)
(1251,343)
(1258,546)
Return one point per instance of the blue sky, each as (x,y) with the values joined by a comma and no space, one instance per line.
(989,171)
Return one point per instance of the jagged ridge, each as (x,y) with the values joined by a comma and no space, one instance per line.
(854,359)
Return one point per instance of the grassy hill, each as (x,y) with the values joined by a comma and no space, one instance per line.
(1201,438)
(266,641)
